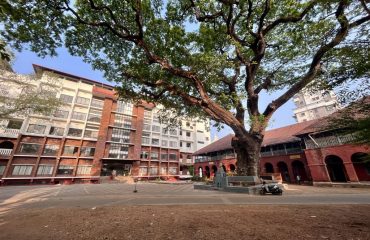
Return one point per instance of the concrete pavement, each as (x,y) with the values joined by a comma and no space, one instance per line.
(97,195)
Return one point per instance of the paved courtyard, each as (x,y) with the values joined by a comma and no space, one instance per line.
(168,211)
(98,195)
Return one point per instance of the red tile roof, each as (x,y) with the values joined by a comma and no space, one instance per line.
(219,145)
(286,134)
(275,136)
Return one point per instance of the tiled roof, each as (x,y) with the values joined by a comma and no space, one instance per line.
(219,145)
(275,136)
(286,134)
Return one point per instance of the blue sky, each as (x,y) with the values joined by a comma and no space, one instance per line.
(74,65)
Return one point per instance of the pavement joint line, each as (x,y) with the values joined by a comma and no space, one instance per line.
(86,191)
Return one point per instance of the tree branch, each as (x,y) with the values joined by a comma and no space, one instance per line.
(315,66)
(290,19)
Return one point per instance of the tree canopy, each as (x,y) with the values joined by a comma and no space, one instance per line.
(27,94)
(210,58)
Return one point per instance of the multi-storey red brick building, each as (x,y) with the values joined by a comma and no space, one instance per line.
(94,134)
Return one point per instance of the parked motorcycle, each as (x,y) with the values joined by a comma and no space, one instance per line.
(272,188)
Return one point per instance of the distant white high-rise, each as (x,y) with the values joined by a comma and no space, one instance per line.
(313,105)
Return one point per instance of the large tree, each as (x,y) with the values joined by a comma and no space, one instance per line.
(205,58)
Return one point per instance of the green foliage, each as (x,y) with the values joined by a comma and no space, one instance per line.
(21,95)
(191,170)
(355,120)
(202,58)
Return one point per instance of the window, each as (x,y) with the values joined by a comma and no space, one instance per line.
(164,170)
(188,145)
(154,155)
(14,124)
(155,141)
(50,150)
(172,170)
(70,150)
(123,121)
(29,148)
(188,134)
(188,156)
(98,103)
(66,98)
(120,135)
(173,156)
(146,127)
(74,132)
(82,101)
(144,155)
(83,170)
(79,116)
(147,113)
(125,108)
(91,134)
(303,114)
(180,133)
(34,128)
(22,170)
(146,134)
(200,142)
(180,144)
(65,170)
(207,138)
(143,171)
(164,156)
(173,132)
(173,144)
(188,124)
(94,116)
(147,121)
(199,131)
(145,140)
(153,170)
(164,131)
(164,143)
(156,128)
(118,151)
(2,169)
(61,114)
(56,131)
(87,152)
(45,170)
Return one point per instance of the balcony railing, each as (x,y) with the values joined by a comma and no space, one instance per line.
(328,141)
(9,132)
(281,152)
(5,152)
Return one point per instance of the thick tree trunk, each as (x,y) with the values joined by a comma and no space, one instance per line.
(248,154)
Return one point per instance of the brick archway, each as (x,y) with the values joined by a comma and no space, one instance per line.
(269,168)
(336,169)
(299,170)
(284,170)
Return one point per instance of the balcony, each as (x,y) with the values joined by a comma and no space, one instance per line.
(186,161)
(9,132)
(281,152)
(328,141)
(5,152)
